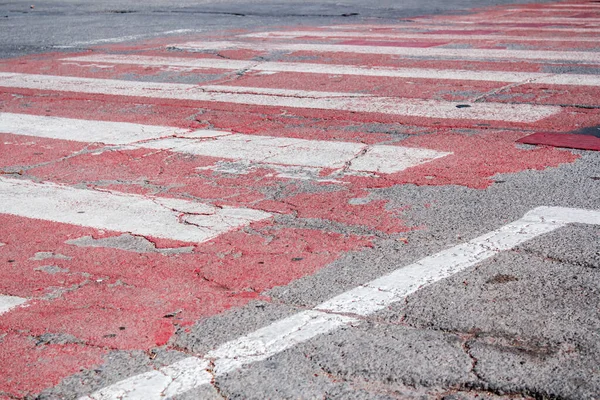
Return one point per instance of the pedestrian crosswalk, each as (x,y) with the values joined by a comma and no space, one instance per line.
(214,146)
(269,97)
(312,68)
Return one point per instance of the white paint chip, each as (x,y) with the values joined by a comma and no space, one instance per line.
(463,54)
(337,312)
(7,303)
(332,69)
(524,113)
(141,215)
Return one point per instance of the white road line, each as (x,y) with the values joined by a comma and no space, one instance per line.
(9,302)
(515,19)
(433,28)
(331,69)
(551,8)
(306,153)
(254,148)
(122,39)
(423,36)
(158,217)
(574,6)
(465,54)
(525,113)
(83,130)
(326,317)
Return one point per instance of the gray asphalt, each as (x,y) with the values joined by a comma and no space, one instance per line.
(524,324)
(25,30)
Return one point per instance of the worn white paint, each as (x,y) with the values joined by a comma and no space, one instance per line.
(167,218)
(332,69)
(404,26)
(463,54)
(517,19)
(304,153)
(574,6)
(82,130)
(390,159)
(253,148)
(122,39)
(339,311)
(9,302)
(549,8)
(420,36)
(171,380)
(526,113)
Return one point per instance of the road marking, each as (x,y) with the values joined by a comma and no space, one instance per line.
(551,8)
(465,54)
(254,148)
(418,73)
(83,130)
(400,35)
(7,303)
(515,19)
(306,153)
(574,6)
(526,113)
(337,312)
(433,28)
(122,39)
(158,217)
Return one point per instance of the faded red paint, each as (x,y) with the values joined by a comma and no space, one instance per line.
(26,367)
(101,290)
(572,141)
(107,299)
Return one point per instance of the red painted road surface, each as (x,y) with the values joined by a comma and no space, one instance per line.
(99,298)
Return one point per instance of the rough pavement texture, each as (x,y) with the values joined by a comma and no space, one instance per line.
(523,324)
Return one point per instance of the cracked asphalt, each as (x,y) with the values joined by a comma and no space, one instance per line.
(264,230)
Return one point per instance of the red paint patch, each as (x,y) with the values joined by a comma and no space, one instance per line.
(26,368)
(123,299)
(568,140)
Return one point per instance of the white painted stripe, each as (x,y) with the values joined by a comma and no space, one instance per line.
(552,8)
(306,153)
(9,302)
(255,148)
(433,28)
(283,98)
(83,130)
(423,36)
(574,5)
(171,380)
(364,300)
(141,215)
(514,19)
(331,69)
(122,39)
(466,54)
